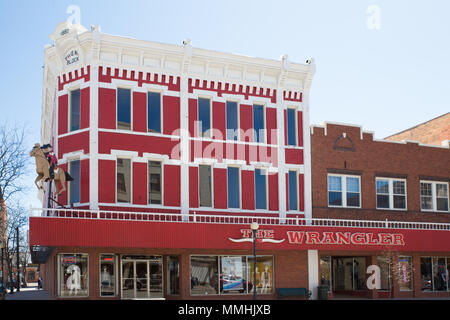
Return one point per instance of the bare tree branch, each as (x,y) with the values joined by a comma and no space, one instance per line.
(14,160)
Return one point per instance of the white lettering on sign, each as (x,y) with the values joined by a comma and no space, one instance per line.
(340,238)
(261,236)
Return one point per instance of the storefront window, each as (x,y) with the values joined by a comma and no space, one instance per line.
(74,276)
(325,272)
(173,271)
(448,274)
(264,274)
(440,274)
(204,274)
(107,275)
(233,274)
(426,274)
(384,264)
(405,273)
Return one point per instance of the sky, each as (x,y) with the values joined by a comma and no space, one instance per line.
(382,65)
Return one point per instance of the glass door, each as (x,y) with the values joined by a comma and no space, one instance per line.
(142,278)
(141,281)
(128,280)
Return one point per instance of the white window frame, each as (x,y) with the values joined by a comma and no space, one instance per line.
(212,185)
(131,180)
(161,111)
(264,137)
(297,186)
(434,196)
(69,185)
(161,161)
(238,120)
(391,193)
(69,125)
(264,172)
(239,185)
(344,190)
(117,108)
(211,126)
(296,127)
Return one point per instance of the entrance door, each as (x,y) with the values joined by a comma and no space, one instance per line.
(142,278)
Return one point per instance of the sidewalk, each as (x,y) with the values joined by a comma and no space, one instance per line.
(30,293)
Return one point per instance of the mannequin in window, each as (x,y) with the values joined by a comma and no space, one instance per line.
(105,277)
(265,280)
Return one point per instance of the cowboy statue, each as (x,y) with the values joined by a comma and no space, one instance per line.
(47,168)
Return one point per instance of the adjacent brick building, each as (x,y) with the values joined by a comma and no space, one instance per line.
(359,178)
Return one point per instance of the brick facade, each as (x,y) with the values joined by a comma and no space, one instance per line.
(347,150)
(293,264)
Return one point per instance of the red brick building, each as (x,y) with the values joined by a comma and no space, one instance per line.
(359,178)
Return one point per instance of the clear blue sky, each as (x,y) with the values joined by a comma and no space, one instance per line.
(385,79)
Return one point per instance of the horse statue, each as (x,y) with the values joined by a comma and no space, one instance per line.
(43,170)
(42,165)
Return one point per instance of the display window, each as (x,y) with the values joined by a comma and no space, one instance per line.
(108,273)
(73,275)
(204,275)
(231,275)
(440,274)
(173,273)
(384,263)
(435,273)
(426,274)
(325,272)
(264,274)
(405,273)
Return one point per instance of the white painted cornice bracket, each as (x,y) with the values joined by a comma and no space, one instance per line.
(96,33)
(96,41)
(310,75)
(187,44)
(284,70)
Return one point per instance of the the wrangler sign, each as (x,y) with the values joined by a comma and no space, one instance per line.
(342,238)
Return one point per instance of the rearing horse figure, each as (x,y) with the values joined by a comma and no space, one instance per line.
(42,166)
(42,169)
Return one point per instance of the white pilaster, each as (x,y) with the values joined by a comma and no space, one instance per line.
(281,156)
(184,148)
(93,138)
(307,141)
(313,272)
